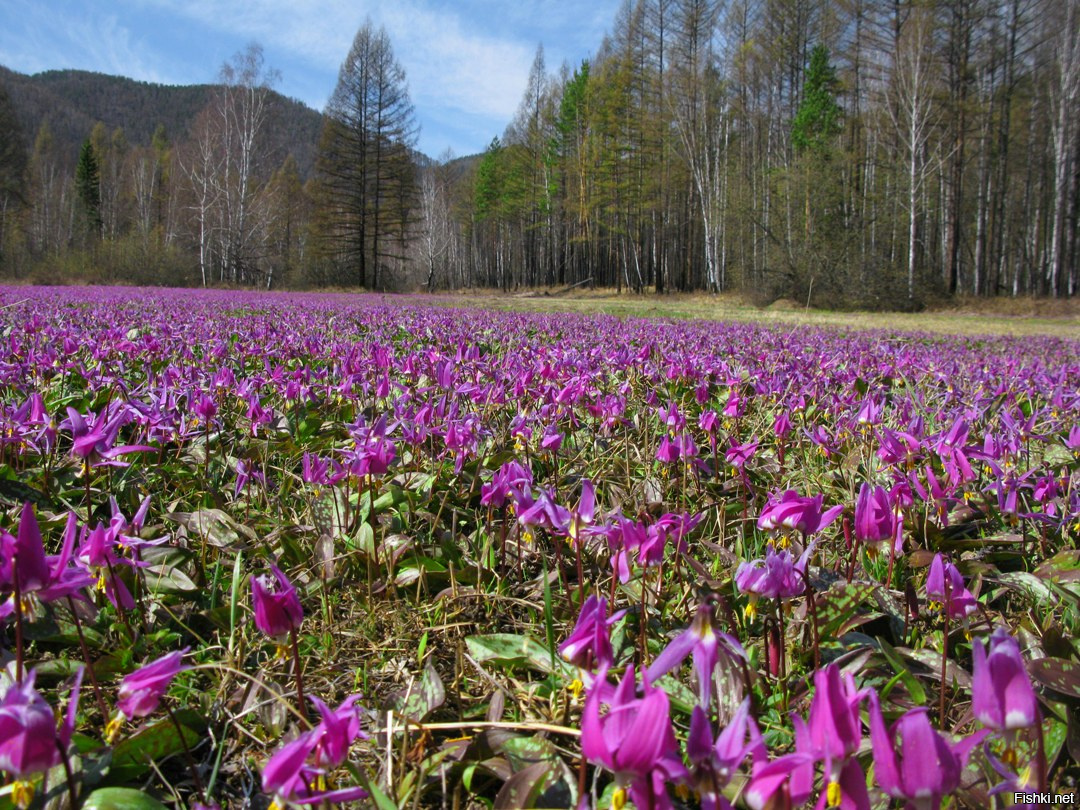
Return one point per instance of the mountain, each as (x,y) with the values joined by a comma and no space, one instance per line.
(74,100)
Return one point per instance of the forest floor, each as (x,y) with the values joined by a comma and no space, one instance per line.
(1019,317)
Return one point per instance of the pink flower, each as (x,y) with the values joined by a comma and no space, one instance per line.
(295,767)
(705,644)
(1001,694)
(798,513)
(30,741)
(945,584)
(633,740)
(277,605)
(140,692)
(912,761)
(714,763)
(23,557)
(589,645)
(876,518)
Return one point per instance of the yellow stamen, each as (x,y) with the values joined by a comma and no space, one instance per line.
(112,728)
(22,794)
(282,652)
(750,611)
(618,799)
(575,688)
(832,794)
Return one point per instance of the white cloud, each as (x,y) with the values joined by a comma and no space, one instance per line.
(446,63)
(467,61)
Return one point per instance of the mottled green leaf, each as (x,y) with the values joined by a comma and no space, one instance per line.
(1058,674)
(152,743)
(423,697)
(1062,567)
(507,648)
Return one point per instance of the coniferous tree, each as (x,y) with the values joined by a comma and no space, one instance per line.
(88,189)
(366,175)
(12,170)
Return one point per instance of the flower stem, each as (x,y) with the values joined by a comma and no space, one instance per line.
(944,653)
(187,752)
(67,774)
(298,671)
(102,707)
(18,619)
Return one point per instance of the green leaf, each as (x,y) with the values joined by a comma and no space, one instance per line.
(216,527)
(119,798)
(843,607)
(522,752)
(911,683)
(424,697)
(529,787)
(511,649)
(1030,585)
(132,756)
(1062,567)
(1058,674)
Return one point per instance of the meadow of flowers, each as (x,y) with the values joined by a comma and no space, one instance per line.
(316,550)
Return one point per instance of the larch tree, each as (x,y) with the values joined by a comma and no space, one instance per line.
(365,169)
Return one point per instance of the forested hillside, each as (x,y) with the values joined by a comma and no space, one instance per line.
(866,152)
(73,101)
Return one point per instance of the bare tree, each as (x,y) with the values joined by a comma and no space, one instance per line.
(911,110)
(1066,100)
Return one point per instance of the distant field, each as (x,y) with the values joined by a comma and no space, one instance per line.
(1018,318)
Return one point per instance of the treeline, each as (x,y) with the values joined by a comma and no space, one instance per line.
(870,152)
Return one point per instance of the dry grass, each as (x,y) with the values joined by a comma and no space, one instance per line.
(1016,317)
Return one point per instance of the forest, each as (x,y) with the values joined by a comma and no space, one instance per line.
(876,153)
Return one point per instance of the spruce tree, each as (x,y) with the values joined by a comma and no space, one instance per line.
(88,187)
(818,118)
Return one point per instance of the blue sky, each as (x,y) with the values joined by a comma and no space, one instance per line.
(466,62)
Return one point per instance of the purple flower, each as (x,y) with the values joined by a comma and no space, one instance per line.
(945,584)
(547,514)
(797,513)
(295,767)
(94,438)
(876,518)
(142,690)
(589,645)
(277,605)
(832,734)
(1001,694)
(912,761)
(714,763)
(30,741)
(778,576)
(705,644)
(46,577)
(336,732)
(633,740)
(97,556)
(582,518)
